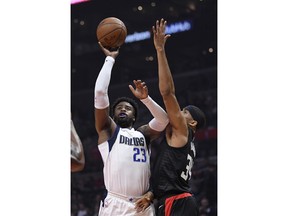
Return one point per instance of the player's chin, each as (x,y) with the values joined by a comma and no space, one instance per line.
(123,122)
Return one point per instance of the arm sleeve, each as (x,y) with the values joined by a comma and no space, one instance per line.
(160,120)
(101,99)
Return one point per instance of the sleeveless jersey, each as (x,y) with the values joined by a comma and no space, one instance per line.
(172,168)
(126,163)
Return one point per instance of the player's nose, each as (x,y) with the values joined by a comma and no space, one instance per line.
(123,109)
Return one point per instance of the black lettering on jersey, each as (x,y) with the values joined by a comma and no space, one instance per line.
(142,141)
(121,141)
(128,141)
(136,141)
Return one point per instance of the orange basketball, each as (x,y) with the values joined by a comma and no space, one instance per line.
(111,32)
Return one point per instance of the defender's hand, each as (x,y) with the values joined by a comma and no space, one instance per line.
(160,37)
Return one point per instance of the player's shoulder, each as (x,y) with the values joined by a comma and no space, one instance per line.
(144,129)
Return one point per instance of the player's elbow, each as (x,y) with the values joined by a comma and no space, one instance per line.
(158,125)
(166,90)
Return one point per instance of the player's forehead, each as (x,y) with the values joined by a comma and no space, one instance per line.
(124,104)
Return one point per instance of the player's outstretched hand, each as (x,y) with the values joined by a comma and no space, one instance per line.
(107,52)
(140,91)
(159,36)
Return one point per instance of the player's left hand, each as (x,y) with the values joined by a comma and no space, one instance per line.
(140,91)
(159,36)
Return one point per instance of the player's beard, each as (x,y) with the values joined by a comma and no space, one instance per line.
(123,122)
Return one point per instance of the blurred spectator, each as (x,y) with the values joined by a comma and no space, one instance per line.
(205,208)
(82,210)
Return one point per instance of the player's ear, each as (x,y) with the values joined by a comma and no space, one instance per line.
(193,123)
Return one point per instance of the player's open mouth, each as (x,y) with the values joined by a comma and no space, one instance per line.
(122,115)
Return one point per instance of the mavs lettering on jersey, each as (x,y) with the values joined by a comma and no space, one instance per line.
(136,141)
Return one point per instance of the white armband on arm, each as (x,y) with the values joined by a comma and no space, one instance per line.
(101,99)
(160,120)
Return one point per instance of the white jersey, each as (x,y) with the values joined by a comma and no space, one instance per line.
(126,163)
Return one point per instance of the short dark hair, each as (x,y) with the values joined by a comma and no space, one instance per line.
(198,115)
(126,99)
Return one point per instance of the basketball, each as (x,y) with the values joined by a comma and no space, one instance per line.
(111,32)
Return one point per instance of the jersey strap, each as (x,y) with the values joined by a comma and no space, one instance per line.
(111,141)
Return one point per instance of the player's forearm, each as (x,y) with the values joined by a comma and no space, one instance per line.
(77,151)
(102,83)
(77,159)
(166,84)
(160,120)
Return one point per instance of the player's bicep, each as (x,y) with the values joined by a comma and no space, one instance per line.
(102,119)
(104,124)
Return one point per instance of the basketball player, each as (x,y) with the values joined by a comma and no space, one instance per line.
(172,168)
(123,149)
(77,152)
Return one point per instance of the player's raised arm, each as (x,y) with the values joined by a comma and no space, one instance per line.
(167,88)
(154,128)
(103,122)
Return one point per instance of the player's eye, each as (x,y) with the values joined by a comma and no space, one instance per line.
(128,108)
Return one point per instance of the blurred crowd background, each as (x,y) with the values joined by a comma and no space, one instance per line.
(192,55)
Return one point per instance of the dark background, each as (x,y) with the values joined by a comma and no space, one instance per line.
(192,57)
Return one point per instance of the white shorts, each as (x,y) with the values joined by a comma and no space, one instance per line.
(115,205)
